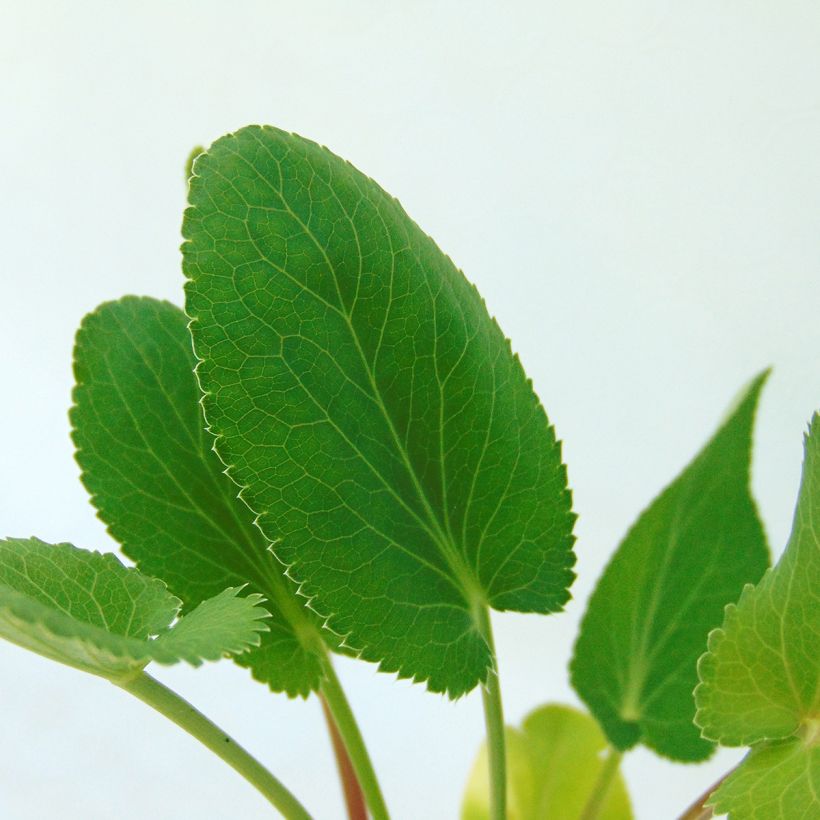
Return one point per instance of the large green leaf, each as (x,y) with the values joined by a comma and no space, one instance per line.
(554,762)
(370,408)
(87,610)
(760,679)
(688,554)
(149,465)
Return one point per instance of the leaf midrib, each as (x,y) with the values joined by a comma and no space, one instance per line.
(469,585)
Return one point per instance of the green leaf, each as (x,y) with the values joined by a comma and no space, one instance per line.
(149,466)
(370,408)
(553,765)
(760,679)
(87,610)
(688,554)
(776,781)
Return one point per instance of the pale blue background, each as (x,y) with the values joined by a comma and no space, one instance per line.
(635,189)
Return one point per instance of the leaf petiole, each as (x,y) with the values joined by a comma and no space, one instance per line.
(354,798)
(600,790)
(175,708)
(494,721)
(338,706)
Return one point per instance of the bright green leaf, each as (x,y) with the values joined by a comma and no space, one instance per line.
(761,675)
(776,781)
(149,465)
(760,679)
(553,765)
(226,624)
(87,610)
(370,408)
(688,554)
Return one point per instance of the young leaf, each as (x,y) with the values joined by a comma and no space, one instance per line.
(760,679)
(149,466)
(688,554)
(87,610)
(554,763)
(370,408)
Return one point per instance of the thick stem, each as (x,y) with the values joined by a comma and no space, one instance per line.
(354,798)
(334,697)
(177,709)
(600,790)
(494,721)
(699,810)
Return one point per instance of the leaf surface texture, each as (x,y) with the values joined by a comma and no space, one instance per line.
(149,465)
(760,679)
(87,610)
(370,408)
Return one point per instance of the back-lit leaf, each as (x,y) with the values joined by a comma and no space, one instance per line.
(87,610)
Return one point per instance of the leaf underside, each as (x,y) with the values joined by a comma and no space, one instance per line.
(689,553)
(760,679)
(87,610)
(553,764)
(149,465)
(370,408)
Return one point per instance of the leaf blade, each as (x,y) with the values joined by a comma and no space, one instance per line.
(148,464)
(89,611)
(688,553)
(775,781)
(369,407)
(760,678)
(554,762)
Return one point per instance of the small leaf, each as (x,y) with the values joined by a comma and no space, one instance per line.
(553,764)
(373,412)
(87,610)
(224,624)
(760,679)
(688,554)
(149,465)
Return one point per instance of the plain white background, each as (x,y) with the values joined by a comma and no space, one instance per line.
(633,186)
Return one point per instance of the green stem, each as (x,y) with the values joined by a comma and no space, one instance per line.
(600,791)
(334,696)
(352,791)
(494,721)
(177,709)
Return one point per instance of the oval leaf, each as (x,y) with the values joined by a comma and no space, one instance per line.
(553,765)
(149,465)
(87,610)
(688,554)
(370,408)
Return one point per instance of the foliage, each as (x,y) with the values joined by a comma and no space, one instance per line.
(334,449)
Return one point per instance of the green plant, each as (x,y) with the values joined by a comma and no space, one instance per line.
(338,427)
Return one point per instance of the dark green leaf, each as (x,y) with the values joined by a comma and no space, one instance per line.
(688,554)
(370,408)
(149,465)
